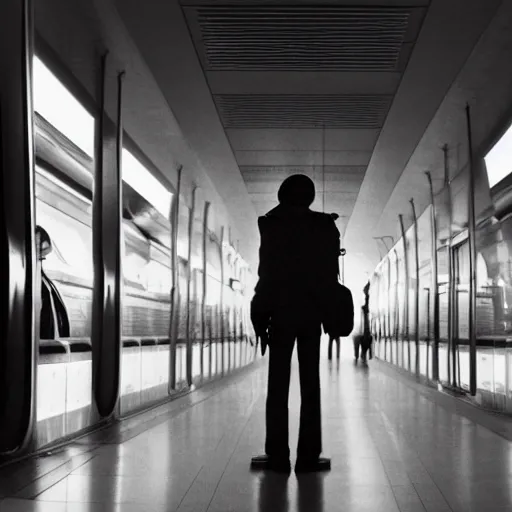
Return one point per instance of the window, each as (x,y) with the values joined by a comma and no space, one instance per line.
(141,180)
(61,109)
(498,161)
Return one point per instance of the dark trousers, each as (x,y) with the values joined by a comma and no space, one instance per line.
(364,343)
(310,431)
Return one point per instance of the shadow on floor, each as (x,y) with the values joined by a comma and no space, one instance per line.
(274,492)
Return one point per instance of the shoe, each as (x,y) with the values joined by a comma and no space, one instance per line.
(265,463)
(311,466)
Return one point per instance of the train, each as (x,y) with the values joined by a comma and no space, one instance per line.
(422,315)
(169,344)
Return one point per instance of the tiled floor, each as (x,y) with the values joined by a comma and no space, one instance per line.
(393,450)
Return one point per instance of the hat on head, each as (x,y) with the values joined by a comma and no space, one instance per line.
(297,190)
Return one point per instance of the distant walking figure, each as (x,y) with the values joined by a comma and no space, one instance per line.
(363,340)
(333,340)
(298,262)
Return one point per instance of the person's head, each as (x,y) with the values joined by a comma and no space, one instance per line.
(297,190)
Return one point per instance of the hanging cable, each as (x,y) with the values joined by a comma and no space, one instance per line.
(323,168)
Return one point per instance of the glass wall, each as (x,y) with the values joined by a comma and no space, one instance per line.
(183,296)
(196,289)
(147,271)
(425,295)
(64,181)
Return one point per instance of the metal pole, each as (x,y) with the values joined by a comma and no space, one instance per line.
(388,327)
(472,260)
(397,303)
(323,168)
(417,290)
(435,278)
(406,302)
(452,349)
(175,293)
(205,283)
(190,347)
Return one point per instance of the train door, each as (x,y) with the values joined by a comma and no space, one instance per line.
(460,355)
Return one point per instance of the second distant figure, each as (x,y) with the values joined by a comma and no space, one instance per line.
(298,262)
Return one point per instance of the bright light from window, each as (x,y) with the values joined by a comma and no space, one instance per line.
(140,179)
(498,161)
(61,109)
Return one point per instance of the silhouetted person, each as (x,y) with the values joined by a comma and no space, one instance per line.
(298,262)
(333,340)
(363,340)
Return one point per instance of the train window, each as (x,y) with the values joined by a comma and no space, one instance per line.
(59,107)
(65,138)
(72,242)
(497,161)
(159,278)
(141,180)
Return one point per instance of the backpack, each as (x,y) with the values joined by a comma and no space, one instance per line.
(338,317)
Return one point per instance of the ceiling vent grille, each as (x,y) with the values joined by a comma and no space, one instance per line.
(301,38)
(302,111)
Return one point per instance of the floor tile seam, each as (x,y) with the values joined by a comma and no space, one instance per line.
(242,431)
(59,450)
(452,404)
(437,487)
(419,497)
(189,487)
(54,470)
(60,479)
(213,455)
(422,464)
(176,412)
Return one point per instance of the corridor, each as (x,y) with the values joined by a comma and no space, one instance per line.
(395,446)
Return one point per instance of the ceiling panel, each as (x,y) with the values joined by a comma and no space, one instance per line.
(302,111)
(306,139)
(302,158)
(281,172)
(304,86)
(305,82)
(299,37)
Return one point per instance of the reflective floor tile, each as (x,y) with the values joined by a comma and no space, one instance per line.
(17,505)
(392,451)
(150,489)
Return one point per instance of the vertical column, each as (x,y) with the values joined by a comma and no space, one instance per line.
(222,278)
(189,286)
(175,293)
(406,294)
(205,282)
(452,349)
(397,302)
(434,285)
(417,290)
(472,260)
(107,204)
(17,341)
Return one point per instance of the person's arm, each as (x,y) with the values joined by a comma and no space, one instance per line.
(334,247)
(260,306)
